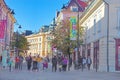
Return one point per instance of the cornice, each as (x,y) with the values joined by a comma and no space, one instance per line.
(91,8)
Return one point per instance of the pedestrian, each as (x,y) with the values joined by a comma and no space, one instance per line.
(60,63)
(39,61)
(80,62)
(45,64)
(69,63)
(89,62)
(10,63)
(17,62)
(20,62)
(83,63)
(35,64)
(65,61)
(54,63)
(29,61)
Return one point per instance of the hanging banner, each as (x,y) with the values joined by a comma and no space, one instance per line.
(2,28)
(73,28)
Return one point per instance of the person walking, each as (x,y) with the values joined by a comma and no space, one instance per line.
(29,61)
(60,63)
(65,61)
(54,63)
(80,62)
(17,60)
(20,62)
(10,63)
(45,65)
(39,61)
(89,62)
(69,63)
(35,64)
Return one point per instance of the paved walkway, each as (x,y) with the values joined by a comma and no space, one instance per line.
(49,75)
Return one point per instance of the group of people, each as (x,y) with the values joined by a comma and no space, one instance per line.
(83,62)
(59,62)
(64,63)
(36,63)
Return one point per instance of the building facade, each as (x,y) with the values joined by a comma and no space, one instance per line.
(72,12)
(101,21)
(39,44)
(7,21)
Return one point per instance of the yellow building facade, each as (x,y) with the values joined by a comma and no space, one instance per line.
(39,44)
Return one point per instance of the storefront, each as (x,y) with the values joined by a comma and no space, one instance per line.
(96,55)
(117,61)
(88,49)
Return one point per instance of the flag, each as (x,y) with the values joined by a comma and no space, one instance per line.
(2,28)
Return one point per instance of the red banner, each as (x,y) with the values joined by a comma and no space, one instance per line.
(2,28)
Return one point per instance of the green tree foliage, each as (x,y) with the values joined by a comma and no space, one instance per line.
(20,42)
(62,37)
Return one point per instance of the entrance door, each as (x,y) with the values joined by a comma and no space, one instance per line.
(96,55)
(117,55)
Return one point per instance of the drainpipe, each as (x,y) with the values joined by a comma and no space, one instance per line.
(107,4)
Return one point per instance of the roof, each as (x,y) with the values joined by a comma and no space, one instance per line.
(79,3)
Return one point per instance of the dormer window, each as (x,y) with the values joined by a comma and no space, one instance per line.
(74,8)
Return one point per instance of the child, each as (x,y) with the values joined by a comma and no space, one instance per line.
(45,64)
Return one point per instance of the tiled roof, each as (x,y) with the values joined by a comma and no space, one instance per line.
(82,3)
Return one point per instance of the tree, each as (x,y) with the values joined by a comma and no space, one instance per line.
(61,38)
(61,35)
(20,42)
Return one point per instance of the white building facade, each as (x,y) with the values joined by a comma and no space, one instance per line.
(101,21)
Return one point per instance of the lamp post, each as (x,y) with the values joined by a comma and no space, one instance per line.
(17,41)
(53,30)
(78,43)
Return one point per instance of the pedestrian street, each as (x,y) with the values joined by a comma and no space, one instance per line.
(49,75)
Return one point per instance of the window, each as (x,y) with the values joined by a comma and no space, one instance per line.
(118,21)
(39,39)
(94,27)
(99,24)
(74,8)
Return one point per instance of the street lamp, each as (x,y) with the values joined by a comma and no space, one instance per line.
(17,40)
(53,30)
(78,43)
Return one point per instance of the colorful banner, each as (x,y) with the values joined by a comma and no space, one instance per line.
(2,28)
(73,28)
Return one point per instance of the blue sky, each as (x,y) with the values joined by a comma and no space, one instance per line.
(32,14)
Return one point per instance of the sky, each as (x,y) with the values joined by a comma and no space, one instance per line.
(32,14)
